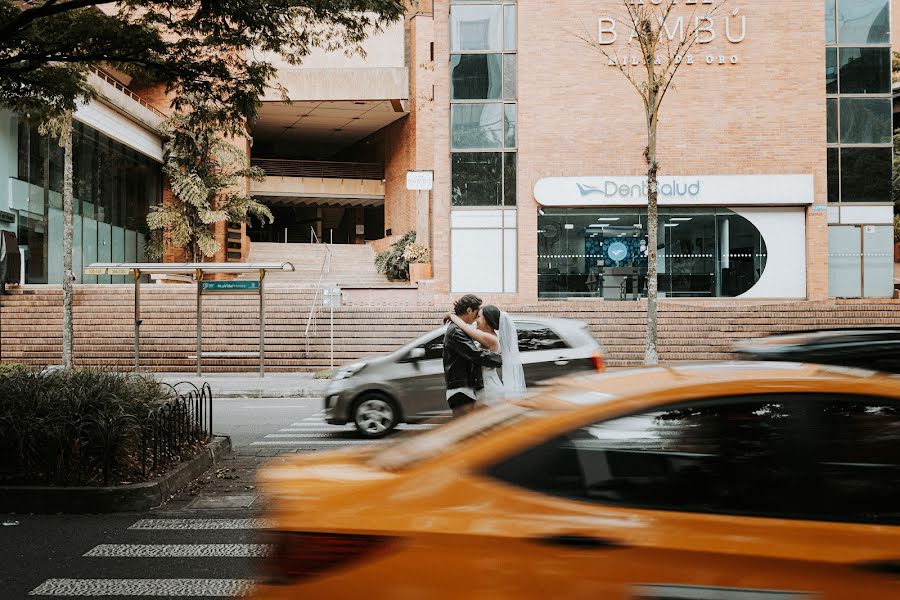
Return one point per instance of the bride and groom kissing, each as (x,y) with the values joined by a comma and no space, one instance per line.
(481,356)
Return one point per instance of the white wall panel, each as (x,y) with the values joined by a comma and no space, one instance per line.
(784,230)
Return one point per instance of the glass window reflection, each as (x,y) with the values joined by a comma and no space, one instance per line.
(865,70)
(866,174)
(862,22)
(603,253)
(476,76)
(477,126)
(477,27)
(865,120)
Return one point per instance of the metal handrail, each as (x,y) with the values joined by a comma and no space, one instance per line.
(319,168)
(116,84)
(326,268)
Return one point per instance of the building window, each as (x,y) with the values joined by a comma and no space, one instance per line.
(483,143)
(113,187)
(858,88)
(603,253)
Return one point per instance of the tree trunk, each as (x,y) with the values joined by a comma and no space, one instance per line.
(651,357)
(68,276)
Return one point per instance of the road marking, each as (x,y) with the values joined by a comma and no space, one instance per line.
(182,550)
(332,429)
(314,442)
(220,588)
(173,524)
(309,435)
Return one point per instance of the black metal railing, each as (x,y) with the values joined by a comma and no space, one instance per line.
(177,426)
(276,167)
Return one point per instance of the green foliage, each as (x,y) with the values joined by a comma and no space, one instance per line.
(897,228)
(193,48)
(392,262)
(75,426)
(895,67)
(205,172)
(324,374)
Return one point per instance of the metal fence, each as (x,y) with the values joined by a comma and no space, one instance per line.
(176,426)
(275,167)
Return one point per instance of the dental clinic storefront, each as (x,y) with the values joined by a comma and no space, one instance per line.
(718,236)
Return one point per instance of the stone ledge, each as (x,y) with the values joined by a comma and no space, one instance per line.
(121,498)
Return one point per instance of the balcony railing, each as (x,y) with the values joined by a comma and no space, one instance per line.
(275,167)
(115,83)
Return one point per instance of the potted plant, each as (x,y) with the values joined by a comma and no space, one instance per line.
(897,238)
(419,261)
(392,262)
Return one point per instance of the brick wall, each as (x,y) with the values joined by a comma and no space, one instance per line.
(579,116)
(30,326)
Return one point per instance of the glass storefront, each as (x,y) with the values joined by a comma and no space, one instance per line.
(602,253)
(114,188)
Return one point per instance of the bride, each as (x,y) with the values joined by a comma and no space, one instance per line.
(495,331)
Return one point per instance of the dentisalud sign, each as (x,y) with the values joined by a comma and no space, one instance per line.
(706,190)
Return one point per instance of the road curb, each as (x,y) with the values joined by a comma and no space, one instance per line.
(121,498)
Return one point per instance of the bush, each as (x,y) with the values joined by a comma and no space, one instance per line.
(392,262)
(416,253)
(75,426)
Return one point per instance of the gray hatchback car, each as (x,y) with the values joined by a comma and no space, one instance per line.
(407,386)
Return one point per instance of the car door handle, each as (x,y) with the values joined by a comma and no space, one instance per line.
(881,567)
(584,542)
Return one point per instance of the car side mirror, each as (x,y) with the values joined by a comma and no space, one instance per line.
(416,354)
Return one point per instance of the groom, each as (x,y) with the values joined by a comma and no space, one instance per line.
(463,359)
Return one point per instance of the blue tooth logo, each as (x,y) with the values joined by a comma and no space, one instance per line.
(586,190)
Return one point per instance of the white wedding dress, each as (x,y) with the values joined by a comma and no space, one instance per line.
(507,382)
(493,392)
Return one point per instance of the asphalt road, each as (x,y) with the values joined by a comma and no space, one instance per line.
(208,541)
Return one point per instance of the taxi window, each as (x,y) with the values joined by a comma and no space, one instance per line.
(739,455)
(856,447)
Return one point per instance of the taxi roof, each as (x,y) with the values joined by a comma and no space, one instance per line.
(733,376)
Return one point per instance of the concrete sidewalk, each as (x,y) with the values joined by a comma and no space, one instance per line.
(251,385)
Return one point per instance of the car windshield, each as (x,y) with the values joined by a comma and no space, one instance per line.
(416,448)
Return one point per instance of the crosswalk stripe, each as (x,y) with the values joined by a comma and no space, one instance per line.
(309,435)
(312,442)
(217,524)
(331,429)
(181,550)
(220,588)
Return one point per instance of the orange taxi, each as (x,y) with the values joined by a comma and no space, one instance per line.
(737,481)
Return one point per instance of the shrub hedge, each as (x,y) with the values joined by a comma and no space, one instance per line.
(75,427)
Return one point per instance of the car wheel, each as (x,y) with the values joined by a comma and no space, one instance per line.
(375,415)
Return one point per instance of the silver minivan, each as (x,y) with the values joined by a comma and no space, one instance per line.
(407,386)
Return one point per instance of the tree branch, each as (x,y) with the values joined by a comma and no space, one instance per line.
(48,9)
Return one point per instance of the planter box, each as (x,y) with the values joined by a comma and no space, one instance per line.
(419,271)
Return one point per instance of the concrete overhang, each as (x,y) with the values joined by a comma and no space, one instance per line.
(317,187)
(363,83)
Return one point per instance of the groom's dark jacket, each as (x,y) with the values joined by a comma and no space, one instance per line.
(463,360)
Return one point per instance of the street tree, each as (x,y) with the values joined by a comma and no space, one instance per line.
(205,172)
(212,54)
(664,33)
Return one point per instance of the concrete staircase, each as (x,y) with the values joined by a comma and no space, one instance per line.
(31,321)
(352,266)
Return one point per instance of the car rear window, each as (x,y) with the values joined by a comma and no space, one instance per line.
(537,336)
